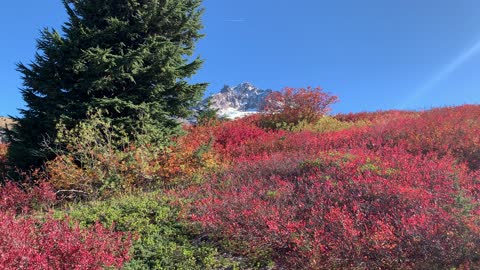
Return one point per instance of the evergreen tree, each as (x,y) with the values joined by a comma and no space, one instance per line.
(127,59)
(207,114)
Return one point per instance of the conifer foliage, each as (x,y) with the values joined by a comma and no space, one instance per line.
(127,59)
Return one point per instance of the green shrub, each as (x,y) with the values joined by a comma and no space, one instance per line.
(207,115)
(163,242)
(97,159)
(327,124)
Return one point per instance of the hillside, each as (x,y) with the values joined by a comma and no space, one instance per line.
(373,190)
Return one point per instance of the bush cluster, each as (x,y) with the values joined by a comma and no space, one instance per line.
(384,190)
(30,242)
(95,160)
(338,210)
(393,190)
(162,242)
(291,106)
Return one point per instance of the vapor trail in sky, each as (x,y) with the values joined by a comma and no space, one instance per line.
(444,73)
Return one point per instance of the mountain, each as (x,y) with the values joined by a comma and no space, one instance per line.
(238,101)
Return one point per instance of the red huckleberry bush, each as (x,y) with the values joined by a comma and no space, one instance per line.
(14,199)
(28,242)
(357,210)
(442,131)
(380,190)
(291,106)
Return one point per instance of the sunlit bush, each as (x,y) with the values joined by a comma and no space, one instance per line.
(30,242)
(440,131)
(95,162)
(162,242)
(328,124)
(26,243)
(355,210)
(291,106)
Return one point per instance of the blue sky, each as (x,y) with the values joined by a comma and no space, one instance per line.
(373,54)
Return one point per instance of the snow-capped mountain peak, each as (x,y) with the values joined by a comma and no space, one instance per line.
(240,100)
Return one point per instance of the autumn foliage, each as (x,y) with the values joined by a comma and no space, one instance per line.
(29,242)
(376,190)
(399,191)
(292,106)
(339,210)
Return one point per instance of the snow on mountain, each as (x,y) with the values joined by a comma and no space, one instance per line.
(238,101)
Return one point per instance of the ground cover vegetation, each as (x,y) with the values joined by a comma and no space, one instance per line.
(381,190)
(98,173)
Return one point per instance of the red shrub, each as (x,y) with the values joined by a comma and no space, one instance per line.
(25,243)
(394,194)
(442,131)
(292,106)
(234,138)
(29,243)
(446,131)
(361,210)
(14,199)
(374,116)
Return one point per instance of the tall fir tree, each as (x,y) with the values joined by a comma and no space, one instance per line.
(128,59)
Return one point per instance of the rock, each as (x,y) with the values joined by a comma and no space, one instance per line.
(238,101)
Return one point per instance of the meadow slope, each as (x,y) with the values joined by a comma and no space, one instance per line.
(379,190)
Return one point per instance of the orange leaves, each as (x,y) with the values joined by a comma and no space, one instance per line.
(101,171)
(3,150)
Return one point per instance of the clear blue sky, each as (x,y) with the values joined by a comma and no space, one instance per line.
(373,54)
